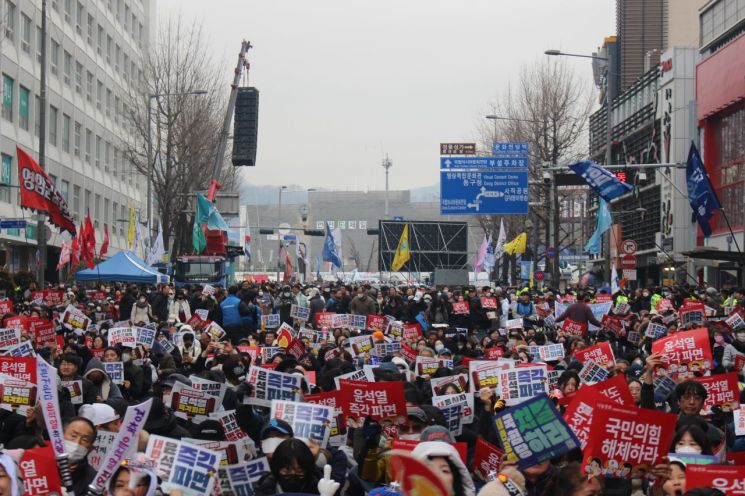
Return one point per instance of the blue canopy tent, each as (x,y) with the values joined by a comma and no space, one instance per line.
(123,267)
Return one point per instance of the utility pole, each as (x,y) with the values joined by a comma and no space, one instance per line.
(41,235)
(387,164)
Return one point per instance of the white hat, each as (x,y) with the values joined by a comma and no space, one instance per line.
(98,413)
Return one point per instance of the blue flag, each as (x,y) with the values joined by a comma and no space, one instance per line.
(601,180)
(330,254)
(604,223)
(701,195)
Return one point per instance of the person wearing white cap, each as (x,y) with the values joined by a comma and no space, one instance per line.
(103,416)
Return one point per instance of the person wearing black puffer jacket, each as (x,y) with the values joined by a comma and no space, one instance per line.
(162,422)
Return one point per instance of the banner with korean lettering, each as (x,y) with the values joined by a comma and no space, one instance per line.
(188,402)
(271,385)
(229,423)
(722,390)
(322,319)
(683,353)
(50,297)
(626,434)
(487,458)
(598,310)
(39,472)
(411,332)
(458,383)
(378,400)
(237,479)
(579,412)
(484,374)
(601,353)
(377,322)
(572,328)
(615,389)
(6,306)
(9,337)
(457,410)
(162,451)
(23,368)
(134,419)
(308,420)
(332,399)
(193,469)
(533,432)
(43,331)
(727,478)
(461,308)
(692,313)
(521,383)
(74,319)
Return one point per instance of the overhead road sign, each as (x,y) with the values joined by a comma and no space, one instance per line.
(483,192)
(484,162)
(511,149)
(457,148)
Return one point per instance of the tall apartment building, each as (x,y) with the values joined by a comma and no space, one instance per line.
(94,54)
(641,27)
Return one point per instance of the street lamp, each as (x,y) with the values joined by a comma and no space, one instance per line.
(279,235)
(150,164)
(608,125)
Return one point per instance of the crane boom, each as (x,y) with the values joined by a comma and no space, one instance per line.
(223,140)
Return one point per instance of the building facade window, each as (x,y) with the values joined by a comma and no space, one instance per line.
(76,200)
(65,190)
(78,138)
(78,78)
(5,168)
(53,116)
(23,102)
(65,133)
(8,84)
(25,33)
(9,15)
(98,152)
(67,68)
(88,145)
(54,58)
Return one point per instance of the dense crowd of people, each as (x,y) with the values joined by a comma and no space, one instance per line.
(211,335)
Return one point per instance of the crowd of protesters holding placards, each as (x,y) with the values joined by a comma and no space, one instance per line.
(356,390)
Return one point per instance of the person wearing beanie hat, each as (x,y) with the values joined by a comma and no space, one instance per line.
(436,433)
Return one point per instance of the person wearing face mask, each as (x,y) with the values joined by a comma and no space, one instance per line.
(292,470)
(272,434)
(141,311)
(133,387)
(190,350)
(691,439)
(79,435)
(178,309)
(723,353)
(315,303)
(102,386)
(737,345)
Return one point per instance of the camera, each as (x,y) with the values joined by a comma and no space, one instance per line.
(546,178)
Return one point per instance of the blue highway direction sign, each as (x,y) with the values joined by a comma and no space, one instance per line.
(483,162)
(483,192)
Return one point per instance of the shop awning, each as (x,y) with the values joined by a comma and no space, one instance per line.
(706,253)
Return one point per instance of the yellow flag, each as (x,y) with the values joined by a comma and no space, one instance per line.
(402,252)
(131,231)
(517,245)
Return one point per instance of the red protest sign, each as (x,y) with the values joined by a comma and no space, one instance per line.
(50,297)
(683,353)
(573,328)
(23,368)
(613,323)
(603,298)
(462,307)
(39,472)
(486,458)
(411,332)
(375,399)
(43,331)
(6,306)
(489,302)
(377,322)
(296,348)
(578,414)
(408,353)
(721,390)
(196,322)
(494,353)
(692,312)
(615,389)
(726,478)
(324,319)
(16,322)
(601,353)
(626,434)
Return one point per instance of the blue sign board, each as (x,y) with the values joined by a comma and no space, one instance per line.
(483,162)
(398,218)
(510,149)
(12,224)
(483,192)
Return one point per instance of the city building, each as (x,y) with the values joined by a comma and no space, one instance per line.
(95,50)
(720,111)
(641,28)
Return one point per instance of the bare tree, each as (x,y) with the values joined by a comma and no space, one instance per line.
(547,107)
(185,127)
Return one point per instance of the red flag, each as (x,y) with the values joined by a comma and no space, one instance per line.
(105,245)
(38,192)
(75,252)
(89,242)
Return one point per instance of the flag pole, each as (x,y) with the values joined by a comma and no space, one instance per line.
(726,220)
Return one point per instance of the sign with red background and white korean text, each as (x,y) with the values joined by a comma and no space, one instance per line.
(601,353)
(378,400)
(683,353)
(626,434)
(730,479)
(573,328)
(722,390)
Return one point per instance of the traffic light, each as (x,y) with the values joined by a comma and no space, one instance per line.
(245,127)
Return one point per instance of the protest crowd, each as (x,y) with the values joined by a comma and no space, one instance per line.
(352,389)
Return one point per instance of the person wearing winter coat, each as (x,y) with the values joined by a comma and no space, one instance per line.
(446,462)
(69,367)
(362,304)
(141,311)
(103,388)
(190,349)
(179,309)
(315,303)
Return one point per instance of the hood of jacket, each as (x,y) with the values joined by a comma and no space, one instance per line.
(427,449)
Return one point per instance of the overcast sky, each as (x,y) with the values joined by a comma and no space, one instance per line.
(344,82)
